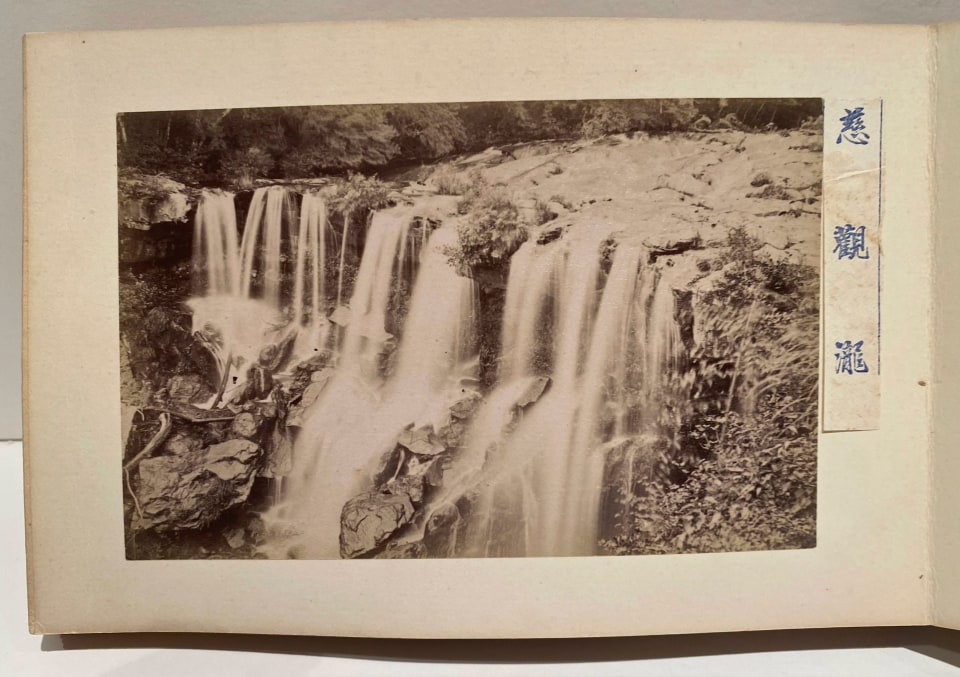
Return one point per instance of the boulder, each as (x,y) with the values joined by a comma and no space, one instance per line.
(451,433)
(466,405)
(421,441)
(256,530)
(235,538)
(181,443)
(410,486)
(148,200)
(190,491)
(533,391)
(163,343)
(369,520)
(246,425)
(310,395)
(341,316)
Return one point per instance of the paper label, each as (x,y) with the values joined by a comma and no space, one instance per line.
(852,175)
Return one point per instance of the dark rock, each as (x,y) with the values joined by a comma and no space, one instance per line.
(235,538)
(162,343)
(413,550)
(684,316)
(189,388)
(673,246)
(279,454)
(181,443)
(466,405)
(534,390)
(421,441)
(439,535)
(389,465)
(246,425)
(260,382)
(410,486)
(192,490)
(551,234)
(369,520)
(256,530)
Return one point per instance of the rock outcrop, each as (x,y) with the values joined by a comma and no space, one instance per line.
(191,490)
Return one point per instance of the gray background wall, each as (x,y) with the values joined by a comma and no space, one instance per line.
(18,17)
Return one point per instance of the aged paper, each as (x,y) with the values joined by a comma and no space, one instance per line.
(852,248)
(870,562)
(945,544)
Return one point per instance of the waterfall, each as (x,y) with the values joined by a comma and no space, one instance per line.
(242,301)
(598,346)
(366,332)
(216,259)
(357,418)
(261,249)
(536,483)
(308,279)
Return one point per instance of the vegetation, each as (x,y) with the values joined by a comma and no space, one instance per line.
(491,233)
(229,146)
(755,418)
(492,229)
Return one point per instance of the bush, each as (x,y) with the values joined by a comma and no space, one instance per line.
(359,195)
(542,213)
(756,491)
(242,167)
(447,181)
(755,376)
(492,230)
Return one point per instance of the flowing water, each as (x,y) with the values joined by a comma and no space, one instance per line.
(588,348)
(359,415)
(535,478)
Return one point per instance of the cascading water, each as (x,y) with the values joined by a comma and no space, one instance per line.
(309,290)
(216,258)
(535,479)
(597,348)
(358,417)
(242,304)
(261,251)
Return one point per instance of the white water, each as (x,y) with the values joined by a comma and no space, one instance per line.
(357,418)
(241,306)
(537,489)
(607,341)
(216,258)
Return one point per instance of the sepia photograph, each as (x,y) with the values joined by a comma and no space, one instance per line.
(487,329)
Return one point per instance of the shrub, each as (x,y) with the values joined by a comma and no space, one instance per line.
(491,232)
(755,394)
(359,195)
(756,491)
(542,213)
(447,181)
(242,167)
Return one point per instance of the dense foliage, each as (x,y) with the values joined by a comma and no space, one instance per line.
(756,418)
(233,146)
(491,230)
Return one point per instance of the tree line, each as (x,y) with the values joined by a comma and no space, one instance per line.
(234,146)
